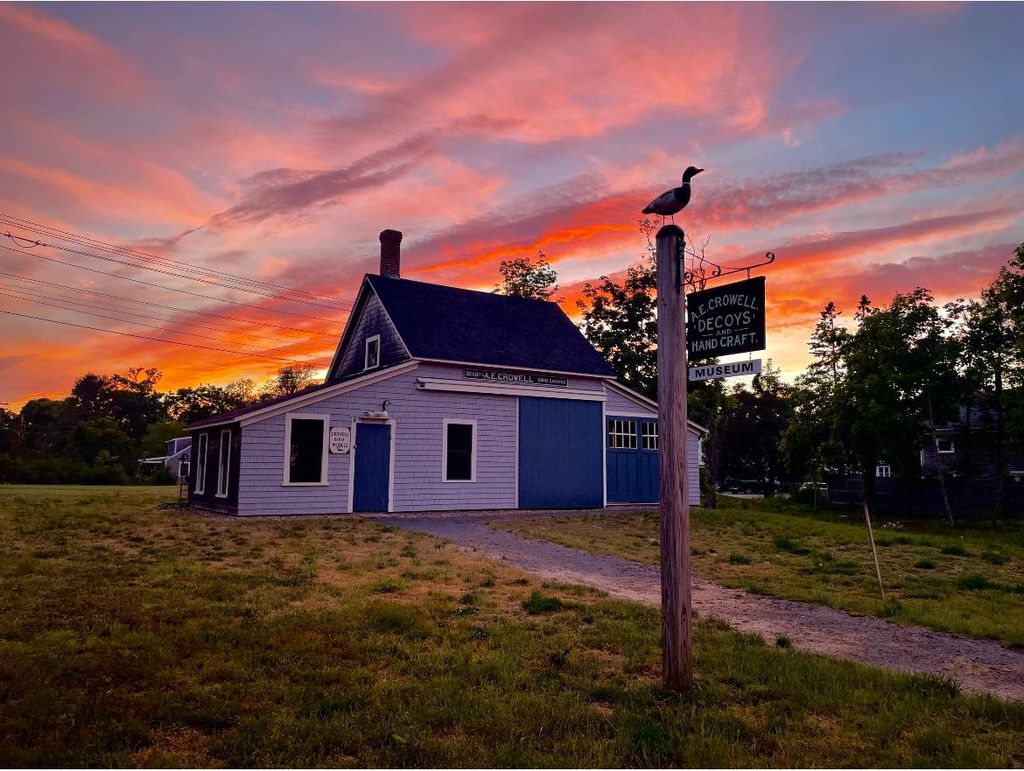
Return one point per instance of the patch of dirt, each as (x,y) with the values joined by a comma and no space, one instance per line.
(979,666)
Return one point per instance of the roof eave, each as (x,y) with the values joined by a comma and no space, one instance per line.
(629,393)
(431,360)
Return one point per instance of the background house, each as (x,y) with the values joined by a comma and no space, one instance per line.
(175,458)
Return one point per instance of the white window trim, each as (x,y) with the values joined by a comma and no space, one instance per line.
(646,437)
(630,429)
(950,451)
(226,467)
(366,352)
(203,443)
(325,449)
(444,449)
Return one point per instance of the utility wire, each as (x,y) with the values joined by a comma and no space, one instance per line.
(146,258)
(199,279)
(162,286)
(152,316)
(92,243)
(155,339)
(163,305)
(57,302)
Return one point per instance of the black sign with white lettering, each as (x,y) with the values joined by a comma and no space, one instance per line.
(529,378)
(727,319)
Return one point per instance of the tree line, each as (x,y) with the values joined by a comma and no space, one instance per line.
(99,432)
(874,392)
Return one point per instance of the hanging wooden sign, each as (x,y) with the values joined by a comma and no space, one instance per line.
(726,319)
(729,369)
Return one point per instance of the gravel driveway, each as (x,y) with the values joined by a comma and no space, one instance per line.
(980,666)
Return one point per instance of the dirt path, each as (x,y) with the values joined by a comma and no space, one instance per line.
(980,666)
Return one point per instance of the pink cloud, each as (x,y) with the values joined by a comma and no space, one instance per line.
(60,52)
(509,64)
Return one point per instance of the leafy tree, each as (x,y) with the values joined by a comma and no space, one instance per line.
(991,333)
(290,380)
(190,405)
(92,396)
(158,435)
(620,321)
(136,402)
(811,445)
(10,433)
(41,425)
(828,343)
(242,392)
(521,277)
(103,435)
(750,427)
(901,378)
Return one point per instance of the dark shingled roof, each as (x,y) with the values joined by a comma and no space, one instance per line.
(442,322)
(231,415)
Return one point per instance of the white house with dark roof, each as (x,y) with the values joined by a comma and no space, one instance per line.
(440,399)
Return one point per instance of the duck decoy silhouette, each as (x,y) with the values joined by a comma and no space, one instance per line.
(673,201)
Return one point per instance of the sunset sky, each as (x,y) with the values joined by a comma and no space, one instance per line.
(873,148)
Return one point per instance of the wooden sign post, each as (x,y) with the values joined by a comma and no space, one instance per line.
(676,615)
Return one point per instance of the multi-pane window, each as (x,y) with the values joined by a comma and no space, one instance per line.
(459,443)
(883,471)
(944,445)
(307,451)
(649,436)
(622,434)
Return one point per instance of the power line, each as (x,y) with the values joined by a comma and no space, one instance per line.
(36,301)
(146,258)
(166,319)
(92,243)
(162,286)
(199,279)
(154,339)
(168,307)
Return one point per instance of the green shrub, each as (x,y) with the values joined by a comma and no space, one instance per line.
(994,558)
(739,559)
(385,586)
(924,564)
(541,603)
(787,544)
(975,581)
(891,609)
(956,551)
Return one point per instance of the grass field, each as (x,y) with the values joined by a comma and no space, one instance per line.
(131,635)
(968,580)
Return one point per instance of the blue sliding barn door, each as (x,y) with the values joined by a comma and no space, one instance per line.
(632,471)
(373,467)
(560,454)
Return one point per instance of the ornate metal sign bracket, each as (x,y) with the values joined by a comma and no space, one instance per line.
(701,270)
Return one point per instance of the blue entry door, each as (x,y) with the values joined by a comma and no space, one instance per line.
(373,467)
(632,459)
(560,454)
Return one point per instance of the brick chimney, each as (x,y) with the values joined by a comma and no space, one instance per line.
(390,253)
